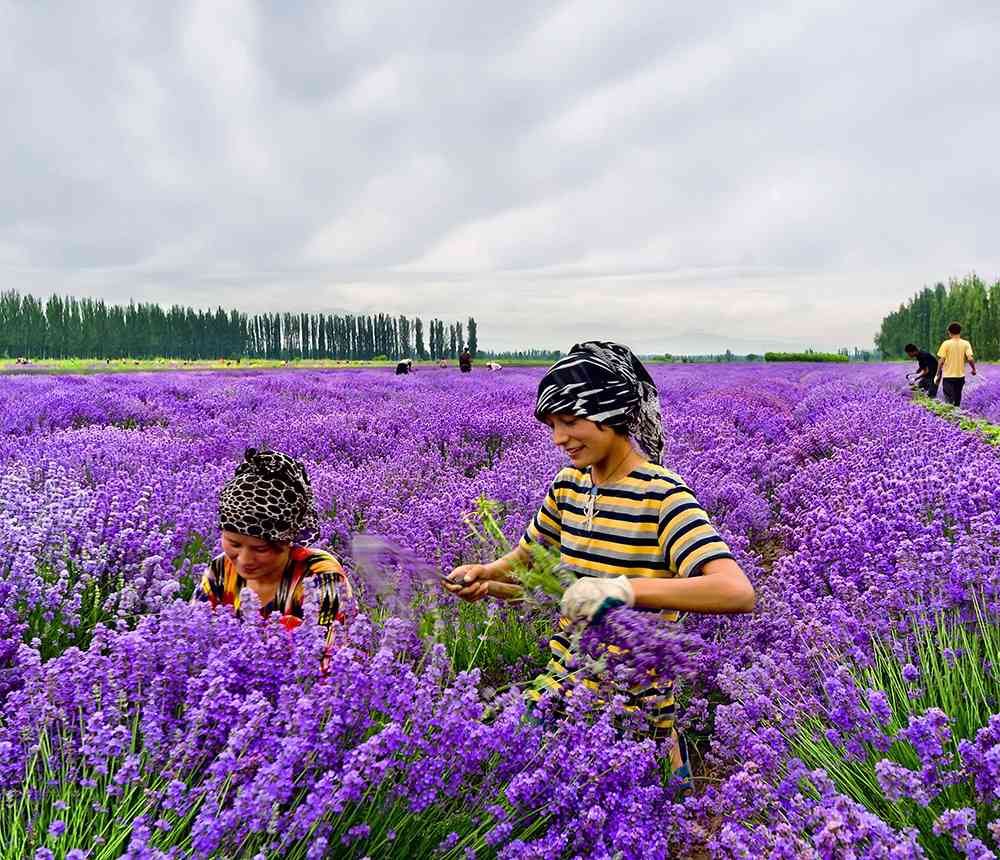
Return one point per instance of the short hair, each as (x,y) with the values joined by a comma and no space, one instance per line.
(955,328)
(910,347)
(619,429)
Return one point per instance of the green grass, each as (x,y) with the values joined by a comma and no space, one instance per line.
(147,365)
(988,431)
(494,638)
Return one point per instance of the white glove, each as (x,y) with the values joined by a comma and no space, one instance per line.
(589,598)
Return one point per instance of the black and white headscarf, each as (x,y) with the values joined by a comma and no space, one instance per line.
(606,383)
(269,498)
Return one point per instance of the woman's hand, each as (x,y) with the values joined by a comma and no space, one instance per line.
(469,581)
(589,598)
(473,582)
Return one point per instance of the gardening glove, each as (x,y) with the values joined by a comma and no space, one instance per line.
(589,599)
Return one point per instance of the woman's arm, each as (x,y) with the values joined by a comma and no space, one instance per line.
(476,581)
(722,587)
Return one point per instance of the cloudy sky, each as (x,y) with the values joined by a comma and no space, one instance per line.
(678,176)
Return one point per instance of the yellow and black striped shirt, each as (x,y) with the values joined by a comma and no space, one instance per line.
(647,524)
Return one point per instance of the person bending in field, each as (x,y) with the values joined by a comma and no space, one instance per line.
(264,510)
(927,367)
(954,353)
(629,529)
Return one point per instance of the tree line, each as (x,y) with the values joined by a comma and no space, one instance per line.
(808,355)
(923,320)
(68,327)
(529,355)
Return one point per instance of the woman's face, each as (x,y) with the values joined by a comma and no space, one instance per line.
(584,441)
(252,557)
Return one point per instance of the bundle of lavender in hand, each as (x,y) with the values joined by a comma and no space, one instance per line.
(628,648)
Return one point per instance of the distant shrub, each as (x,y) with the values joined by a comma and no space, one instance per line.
(808,355)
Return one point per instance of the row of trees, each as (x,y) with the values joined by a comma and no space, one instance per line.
(527,355)
(88,328)
(808,355)
(924,319)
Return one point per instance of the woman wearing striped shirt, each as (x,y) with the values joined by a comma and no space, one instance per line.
(629,529)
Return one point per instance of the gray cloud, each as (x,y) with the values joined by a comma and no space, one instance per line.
(759,172)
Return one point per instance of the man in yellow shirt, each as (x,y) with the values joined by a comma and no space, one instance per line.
(953,353)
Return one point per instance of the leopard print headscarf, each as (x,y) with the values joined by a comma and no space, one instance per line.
(269,498)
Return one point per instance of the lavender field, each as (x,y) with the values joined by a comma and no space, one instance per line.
(854,714)
(983,397)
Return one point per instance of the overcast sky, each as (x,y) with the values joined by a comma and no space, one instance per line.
(678,176)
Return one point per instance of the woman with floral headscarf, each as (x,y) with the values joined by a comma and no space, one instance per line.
(628,528)
(266,515)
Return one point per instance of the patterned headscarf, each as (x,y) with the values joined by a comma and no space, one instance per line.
(269,498)
(605,383)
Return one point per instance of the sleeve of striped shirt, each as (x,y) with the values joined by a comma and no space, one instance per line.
(208,590)
(687,537)
(546,525)
(329,577)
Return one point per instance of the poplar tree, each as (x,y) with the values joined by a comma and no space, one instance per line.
(923,320)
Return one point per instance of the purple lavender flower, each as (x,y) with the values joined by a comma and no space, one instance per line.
(635,647)
(981,758)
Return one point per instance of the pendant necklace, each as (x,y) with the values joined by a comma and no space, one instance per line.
(590,508)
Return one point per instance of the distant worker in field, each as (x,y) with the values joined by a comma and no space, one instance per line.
(404,366)
(266,515)
(630,530)
(954,353)
(465,361)
(927,368)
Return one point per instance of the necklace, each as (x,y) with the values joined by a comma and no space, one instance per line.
(591,506)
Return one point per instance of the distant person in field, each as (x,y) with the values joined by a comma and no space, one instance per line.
(465,361)
(628,528)
(954,353)
(404,366)
(927,368)
(266,516)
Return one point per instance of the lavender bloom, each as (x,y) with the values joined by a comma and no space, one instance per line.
(630,649)
(982,761)
(957,823)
